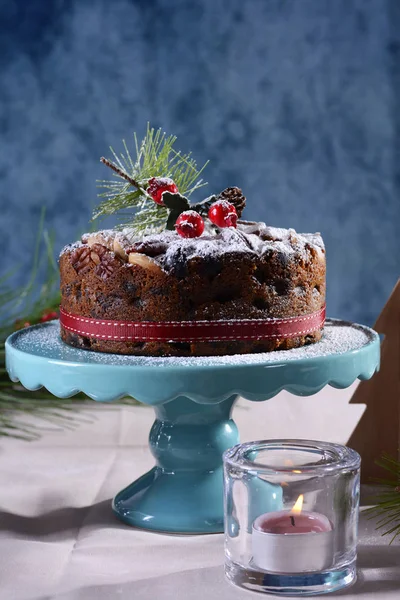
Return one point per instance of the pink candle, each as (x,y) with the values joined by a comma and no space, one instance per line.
(289,522)
(292,541)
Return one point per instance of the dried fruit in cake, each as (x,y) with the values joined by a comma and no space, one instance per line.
(135,258)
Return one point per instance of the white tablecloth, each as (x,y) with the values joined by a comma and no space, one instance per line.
(60,540)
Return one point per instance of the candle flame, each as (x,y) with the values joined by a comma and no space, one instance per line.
(297,508)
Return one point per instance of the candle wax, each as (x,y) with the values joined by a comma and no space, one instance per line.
(287,522)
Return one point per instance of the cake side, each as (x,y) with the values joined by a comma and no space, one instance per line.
(249,272)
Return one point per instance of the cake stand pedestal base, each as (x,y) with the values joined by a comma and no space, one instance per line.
(184,492)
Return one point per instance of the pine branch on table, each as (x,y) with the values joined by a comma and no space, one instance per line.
(387,507)
(25,414)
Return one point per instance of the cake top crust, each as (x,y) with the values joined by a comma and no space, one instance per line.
(248,239)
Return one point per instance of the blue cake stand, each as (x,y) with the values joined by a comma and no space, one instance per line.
(193,400)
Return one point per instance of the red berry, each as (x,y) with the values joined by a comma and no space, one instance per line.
(48,316)
(158,185)
(223,214)
(189,224)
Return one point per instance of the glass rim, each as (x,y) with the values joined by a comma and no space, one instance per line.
(344,457)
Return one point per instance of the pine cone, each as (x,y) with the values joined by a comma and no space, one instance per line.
(234,195)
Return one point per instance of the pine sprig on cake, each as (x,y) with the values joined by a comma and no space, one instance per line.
(140,182)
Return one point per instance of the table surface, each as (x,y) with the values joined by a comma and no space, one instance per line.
(60,540)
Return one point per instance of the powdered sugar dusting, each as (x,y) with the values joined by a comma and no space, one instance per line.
(338,337)
(105,236)
(249,238)
(71,247)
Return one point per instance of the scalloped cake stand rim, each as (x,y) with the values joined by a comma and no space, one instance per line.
(255,377)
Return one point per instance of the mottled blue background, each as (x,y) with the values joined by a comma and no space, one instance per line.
(295,101)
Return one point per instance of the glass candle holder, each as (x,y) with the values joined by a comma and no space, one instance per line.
(291,516)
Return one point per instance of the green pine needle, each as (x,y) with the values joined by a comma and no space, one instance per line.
(155,157)
(387,508)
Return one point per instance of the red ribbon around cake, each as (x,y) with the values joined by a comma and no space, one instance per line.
(193,331)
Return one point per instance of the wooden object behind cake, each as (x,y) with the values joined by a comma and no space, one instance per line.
(379,427)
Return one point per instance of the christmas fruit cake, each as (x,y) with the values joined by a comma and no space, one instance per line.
(187,280)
